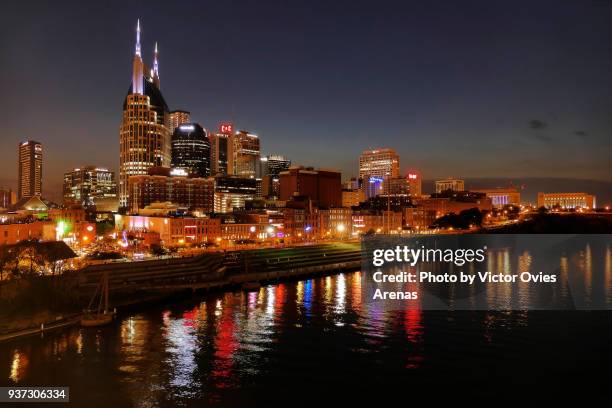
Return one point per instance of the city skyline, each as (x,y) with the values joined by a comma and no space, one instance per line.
(541,137)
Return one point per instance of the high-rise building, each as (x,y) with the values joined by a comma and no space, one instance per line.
(191,149)
(415,183)
(177,118)
(451,184)
(220,150)
(88,184)
(244,154)
(144,139)
(409,185)
(30,169)
(378,163)
(271,166)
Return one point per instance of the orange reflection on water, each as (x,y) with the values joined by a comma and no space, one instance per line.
(356,292)
(19,366)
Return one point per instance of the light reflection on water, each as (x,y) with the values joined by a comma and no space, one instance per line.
(204,348)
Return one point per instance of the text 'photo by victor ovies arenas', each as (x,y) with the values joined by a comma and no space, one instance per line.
(247,204)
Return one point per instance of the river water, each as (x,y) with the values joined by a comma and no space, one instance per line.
(301,340)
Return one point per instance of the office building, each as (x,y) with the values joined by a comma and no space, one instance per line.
(177,118)
(144,139)
(244,154)
(379,163)
(191,150)
(220,151)
(88,184)
(30,169)
(232,192)
(414,183)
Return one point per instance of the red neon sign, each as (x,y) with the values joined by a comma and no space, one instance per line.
(412,176)
(226,128)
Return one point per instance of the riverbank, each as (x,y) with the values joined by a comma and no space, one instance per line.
(141,283)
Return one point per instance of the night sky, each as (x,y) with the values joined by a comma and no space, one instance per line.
(466,89)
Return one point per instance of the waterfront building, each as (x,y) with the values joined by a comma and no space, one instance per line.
(451,184)
(179,231)
(501,196)
(144,138)
(88,185)
(335,222)
(176,118)
(29,183)
(379,163)
(567,200)
(324,187)
(191,150)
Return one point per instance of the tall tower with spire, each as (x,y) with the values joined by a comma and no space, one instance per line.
(137,66)
(155,70)
(144,138)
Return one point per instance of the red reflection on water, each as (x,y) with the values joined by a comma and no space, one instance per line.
(279,296)
(191,317)
(414,333)
(225,346)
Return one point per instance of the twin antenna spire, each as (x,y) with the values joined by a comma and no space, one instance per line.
(155,71)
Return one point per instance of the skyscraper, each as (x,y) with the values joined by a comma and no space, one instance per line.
(177,118)
(88,184)
(378,163)
(144,139)
(191,149)
(220,150)
(30,169)
(245,153)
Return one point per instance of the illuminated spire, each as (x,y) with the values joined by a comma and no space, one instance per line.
(137,66)
(155,62)
(138,38)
